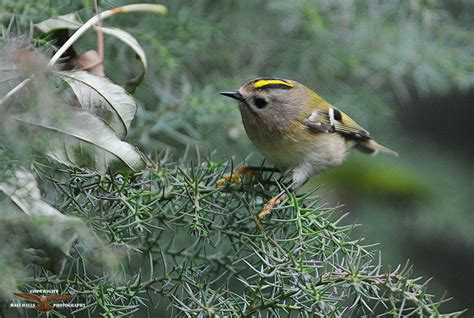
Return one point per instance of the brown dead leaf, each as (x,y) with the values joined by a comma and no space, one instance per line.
(88,61)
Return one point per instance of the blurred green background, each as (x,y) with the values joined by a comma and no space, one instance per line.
(403,69)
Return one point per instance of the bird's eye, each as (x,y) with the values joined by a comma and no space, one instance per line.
(260,102)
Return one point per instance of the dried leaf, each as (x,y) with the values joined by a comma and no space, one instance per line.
(67,21)
(88,61)
(78,138)
(47,234)
(103,98)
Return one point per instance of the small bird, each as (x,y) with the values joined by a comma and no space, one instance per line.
(44,300)
(297,130)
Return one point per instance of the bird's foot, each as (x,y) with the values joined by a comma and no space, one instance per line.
(267,208)
(234,177)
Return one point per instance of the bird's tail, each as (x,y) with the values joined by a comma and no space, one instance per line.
(371,147)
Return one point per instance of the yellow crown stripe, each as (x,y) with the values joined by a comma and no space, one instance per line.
(263,83)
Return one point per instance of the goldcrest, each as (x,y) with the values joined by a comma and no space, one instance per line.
(297,130)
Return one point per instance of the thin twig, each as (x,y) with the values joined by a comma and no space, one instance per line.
(100,35)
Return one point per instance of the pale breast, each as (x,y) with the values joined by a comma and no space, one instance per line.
(319,150)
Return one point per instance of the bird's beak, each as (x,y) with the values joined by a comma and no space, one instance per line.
(234,95)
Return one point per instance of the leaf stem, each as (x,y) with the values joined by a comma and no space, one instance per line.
(100,35)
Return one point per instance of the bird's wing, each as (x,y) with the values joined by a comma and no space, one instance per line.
(323,117)
(50,298)
(32,297)
(330,119)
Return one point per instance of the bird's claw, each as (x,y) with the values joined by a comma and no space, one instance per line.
(267,208)
(234,177)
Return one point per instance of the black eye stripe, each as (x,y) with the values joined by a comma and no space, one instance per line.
(260,102)
(274,86)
